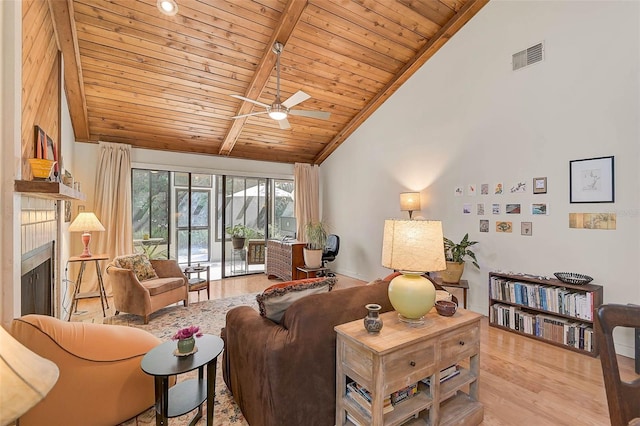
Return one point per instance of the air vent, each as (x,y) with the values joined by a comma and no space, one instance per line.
(528,56)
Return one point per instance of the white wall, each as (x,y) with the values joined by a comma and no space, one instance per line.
(466,118)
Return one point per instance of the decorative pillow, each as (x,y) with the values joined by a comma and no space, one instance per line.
(274,300)
(138,263)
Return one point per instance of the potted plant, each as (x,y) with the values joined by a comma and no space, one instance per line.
(316,239)
(455,255)
(239,234)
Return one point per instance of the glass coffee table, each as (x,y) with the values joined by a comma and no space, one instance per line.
(178,400)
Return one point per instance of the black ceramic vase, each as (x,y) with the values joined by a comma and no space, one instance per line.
(373,322)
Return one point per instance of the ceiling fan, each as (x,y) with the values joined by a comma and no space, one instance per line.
(280,110)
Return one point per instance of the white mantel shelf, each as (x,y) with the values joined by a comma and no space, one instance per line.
(50,190)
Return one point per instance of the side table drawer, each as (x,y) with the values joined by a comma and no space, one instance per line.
(406,366)
(464,343)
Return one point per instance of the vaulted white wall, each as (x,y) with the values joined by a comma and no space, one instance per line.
(467,118)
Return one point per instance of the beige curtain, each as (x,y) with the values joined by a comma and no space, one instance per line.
(113,201)
(307,195)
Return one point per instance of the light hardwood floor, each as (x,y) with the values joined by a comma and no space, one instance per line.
(522,381)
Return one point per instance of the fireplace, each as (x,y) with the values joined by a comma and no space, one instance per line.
(37,280)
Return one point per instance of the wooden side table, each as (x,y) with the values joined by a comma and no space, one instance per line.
(196,283)
(76,291)
(400,355)
(463,285)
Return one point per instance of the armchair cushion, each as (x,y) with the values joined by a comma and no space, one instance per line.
(138,263)
(275,300)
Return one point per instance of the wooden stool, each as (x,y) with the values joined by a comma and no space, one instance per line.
(197,283)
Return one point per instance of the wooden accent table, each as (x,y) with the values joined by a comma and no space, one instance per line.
(401,355)
(100,293)
(197,283)
(463,285)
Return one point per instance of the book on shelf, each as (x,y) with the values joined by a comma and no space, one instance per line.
(362,397)
(445,374)
(404,393)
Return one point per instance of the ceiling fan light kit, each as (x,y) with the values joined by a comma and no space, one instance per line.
(279,111)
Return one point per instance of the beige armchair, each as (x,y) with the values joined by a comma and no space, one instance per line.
(100,380)
(135,293)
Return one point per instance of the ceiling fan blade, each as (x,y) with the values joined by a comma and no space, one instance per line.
(284,124)
(250,100)
(322,115)
(295,99)
(250,114)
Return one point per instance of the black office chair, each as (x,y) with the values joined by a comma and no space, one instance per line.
(330,252)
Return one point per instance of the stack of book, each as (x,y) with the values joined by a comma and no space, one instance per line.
(362,397)
(445,374)
(404,394)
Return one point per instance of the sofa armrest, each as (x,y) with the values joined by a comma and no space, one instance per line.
(92,342)
(125,284)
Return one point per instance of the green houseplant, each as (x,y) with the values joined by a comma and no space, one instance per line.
(455,255)
(239,234)
(316,239)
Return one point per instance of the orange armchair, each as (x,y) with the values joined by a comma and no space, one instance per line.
(100,383)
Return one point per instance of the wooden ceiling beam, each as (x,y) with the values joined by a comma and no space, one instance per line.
(288,21)
(427,51)
(65,28)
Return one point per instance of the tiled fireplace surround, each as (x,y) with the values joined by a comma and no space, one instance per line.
(38,228)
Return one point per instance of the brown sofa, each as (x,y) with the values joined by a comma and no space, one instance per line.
(144,297)
(100,380)
(284,374)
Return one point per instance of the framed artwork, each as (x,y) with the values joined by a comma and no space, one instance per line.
(484,225)
(471,189)
(480,209)
(519,187)
(539,209)
(484,189)
(52,154)
(512,208)
(591,180)
(526,228)
(540,185)
(67,211)
(41,143)
(466,208)
(503,227)
(495,208)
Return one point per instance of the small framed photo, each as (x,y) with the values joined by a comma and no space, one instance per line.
(591,180)
(540,185)
(526,228)
(484,225)
(41,143)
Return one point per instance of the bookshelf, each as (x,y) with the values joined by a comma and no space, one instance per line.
(401,355)
(545,309)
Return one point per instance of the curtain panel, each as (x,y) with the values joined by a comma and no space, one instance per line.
(307,195)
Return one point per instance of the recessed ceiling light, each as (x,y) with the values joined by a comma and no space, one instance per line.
(168,7)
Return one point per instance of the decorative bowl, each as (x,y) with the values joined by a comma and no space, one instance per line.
(446,308)
(573,278)
(41,168)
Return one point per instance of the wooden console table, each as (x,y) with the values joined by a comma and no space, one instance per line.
(283,259)
(401,355)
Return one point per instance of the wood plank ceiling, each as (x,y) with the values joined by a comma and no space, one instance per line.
(134,75)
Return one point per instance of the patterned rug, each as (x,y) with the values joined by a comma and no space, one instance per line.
(210,317)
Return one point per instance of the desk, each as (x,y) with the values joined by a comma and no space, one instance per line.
(463,285)
(76,291)
(197,283)
(161,363)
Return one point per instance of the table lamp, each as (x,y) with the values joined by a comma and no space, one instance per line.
(86,222)
(409,202)
(412,247)
(25,378)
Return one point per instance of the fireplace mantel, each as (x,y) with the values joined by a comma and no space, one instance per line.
(51,190)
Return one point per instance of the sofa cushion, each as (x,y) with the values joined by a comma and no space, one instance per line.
(138,263)
(275,300)
(160,285)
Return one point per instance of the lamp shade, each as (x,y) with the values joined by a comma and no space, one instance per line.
(86,222)
(413,245)
(25,378)
(409,201)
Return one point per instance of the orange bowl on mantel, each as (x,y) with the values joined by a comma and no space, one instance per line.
(41,168)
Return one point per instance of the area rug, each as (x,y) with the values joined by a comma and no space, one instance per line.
(210,317)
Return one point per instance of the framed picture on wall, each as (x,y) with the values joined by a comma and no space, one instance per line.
(40,148)
(52,154)
(540,185)
(591,180)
